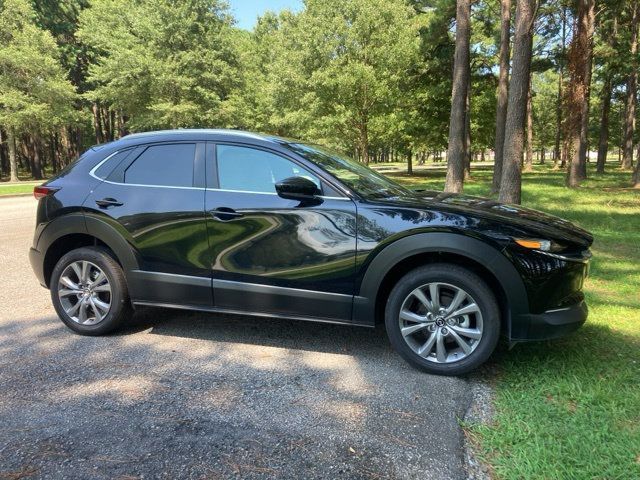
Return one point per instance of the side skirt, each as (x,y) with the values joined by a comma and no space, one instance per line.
(201,308)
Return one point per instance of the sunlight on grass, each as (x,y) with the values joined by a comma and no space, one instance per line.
(571,408)
(14,189)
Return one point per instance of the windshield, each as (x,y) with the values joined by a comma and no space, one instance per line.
(361,179)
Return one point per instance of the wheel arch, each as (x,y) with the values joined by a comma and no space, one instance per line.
(74,231)
(407,253)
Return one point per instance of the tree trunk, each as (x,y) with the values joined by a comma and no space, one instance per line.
(467,132)
(53,148)
(36,169)
(528,158)
(461,72)
(13,163)
(511,184)
(410,162)
(583,151)
(503,87)
(556,150)
(578,91)
(603,141)
(3,159)
(364,143)
(632,82)
(636,172)
(97,123)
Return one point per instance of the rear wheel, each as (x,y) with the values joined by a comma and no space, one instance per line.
(89,291)
(443,319)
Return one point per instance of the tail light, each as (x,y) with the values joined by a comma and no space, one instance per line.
(41,191)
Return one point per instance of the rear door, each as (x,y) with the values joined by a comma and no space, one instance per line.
(271,255)
(155,199)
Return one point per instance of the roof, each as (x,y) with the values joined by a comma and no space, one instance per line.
(207,131)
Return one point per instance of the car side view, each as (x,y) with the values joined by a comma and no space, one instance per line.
(241,223)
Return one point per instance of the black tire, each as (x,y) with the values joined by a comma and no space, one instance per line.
(120,309)
(458,277)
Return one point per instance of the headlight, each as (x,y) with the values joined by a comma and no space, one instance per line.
(538,244)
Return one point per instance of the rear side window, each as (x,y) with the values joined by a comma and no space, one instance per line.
(166,165)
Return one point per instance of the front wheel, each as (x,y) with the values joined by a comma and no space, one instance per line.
(89,291)
(443,319)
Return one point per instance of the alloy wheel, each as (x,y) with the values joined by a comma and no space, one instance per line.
(84,292)
(441,322)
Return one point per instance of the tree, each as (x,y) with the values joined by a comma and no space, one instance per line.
(632,82)
(511,183)
(528,158)
(431,82)
(456,152)
(503,85)
(603,139)
(560,56)
(578,90)
(340,69)
(164,64)
(35,96)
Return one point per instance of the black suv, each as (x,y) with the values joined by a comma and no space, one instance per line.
(235,222)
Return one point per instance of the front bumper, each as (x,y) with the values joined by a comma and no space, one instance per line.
(37,264)
(550,324)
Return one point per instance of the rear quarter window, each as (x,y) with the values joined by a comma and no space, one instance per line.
(112,162)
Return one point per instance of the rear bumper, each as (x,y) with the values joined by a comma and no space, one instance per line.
(551,324)
(37,264)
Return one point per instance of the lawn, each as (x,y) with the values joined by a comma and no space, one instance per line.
(16,188)
(571,408)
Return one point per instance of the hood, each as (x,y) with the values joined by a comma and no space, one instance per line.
(539,224)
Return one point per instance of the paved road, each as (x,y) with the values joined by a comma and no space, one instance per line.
(189,395)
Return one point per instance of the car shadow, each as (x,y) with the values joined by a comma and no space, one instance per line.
(261,331)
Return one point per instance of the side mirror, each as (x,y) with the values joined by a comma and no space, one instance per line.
(297,188)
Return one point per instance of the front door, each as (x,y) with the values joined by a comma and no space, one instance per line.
(271,255)
(153,199)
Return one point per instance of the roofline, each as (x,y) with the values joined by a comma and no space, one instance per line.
(208,131)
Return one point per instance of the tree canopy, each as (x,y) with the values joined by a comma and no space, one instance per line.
(370,77)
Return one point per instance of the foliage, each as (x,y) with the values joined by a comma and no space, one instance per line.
(166,64)
(35,96)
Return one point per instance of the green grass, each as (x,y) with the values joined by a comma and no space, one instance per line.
(16,188)
(571,408)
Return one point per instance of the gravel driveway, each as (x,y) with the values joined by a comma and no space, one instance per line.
(192,395)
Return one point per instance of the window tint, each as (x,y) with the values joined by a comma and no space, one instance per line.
(170,165)
(251,170)
(105,169)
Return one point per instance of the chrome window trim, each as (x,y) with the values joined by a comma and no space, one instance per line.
(269,193)
(94,169)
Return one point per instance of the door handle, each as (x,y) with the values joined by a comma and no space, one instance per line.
(225,213)
(108,202)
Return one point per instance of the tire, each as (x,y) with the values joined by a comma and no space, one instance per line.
(420,344)
(77,307)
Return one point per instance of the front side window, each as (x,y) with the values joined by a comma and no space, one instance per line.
(250,170)
(166,165)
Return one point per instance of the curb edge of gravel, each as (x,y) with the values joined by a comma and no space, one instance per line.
(480,412)
(14,195)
